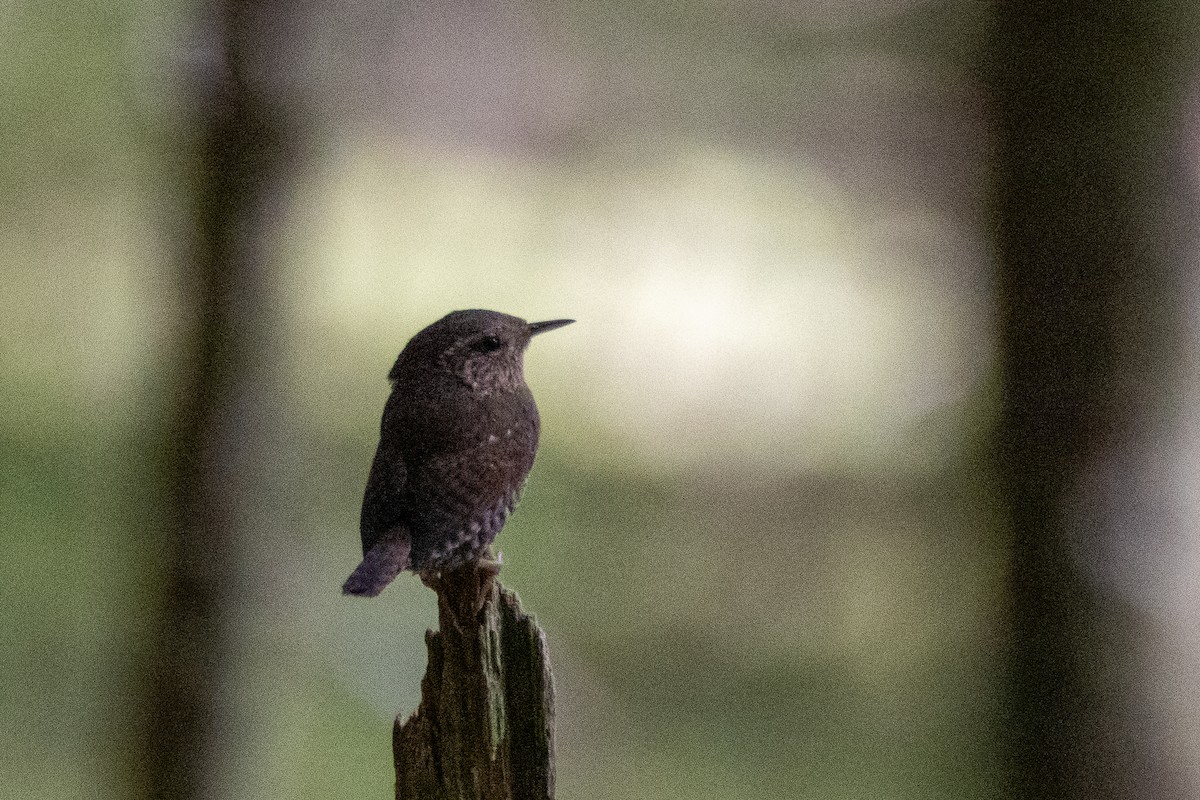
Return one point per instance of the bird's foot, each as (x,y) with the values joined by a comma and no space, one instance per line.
(431,578)
(465,589)
(490,563)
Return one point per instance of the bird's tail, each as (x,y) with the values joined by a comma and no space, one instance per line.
(379,567)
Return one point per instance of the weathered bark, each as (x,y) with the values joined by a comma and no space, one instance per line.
(485,726)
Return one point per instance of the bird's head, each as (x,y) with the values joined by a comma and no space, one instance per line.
(484,350)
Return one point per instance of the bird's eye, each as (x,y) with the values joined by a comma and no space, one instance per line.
(488,344)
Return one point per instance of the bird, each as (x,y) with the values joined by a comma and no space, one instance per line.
(457,440)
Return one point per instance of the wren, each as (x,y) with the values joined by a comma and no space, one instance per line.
(458,437)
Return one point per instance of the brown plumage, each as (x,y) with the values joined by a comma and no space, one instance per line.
(458,438)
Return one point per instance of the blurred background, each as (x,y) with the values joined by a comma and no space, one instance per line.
(867,470)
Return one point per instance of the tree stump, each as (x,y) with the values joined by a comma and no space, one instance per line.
(485,727)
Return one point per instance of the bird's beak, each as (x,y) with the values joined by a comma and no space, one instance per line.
(541,327)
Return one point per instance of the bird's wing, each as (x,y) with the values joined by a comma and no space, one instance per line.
(383,501)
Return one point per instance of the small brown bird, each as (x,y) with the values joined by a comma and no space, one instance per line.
(458,438)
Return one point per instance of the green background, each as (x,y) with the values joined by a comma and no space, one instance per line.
(761,534)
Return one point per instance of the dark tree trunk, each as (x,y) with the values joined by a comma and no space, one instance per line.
(239,173)
(1088,98)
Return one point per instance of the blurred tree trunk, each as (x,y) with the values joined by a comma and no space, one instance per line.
(1089,200)
(239,173)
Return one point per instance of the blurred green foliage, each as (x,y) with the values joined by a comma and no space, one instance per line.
(757,581)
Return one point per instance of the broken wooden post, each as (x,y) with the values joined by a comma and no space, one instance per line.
(485,726)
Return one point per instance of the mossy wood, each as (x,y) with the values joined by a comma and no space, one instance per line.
(485,726)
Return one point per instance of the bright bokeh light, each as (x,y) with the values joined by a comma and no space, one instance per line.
(726,305)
